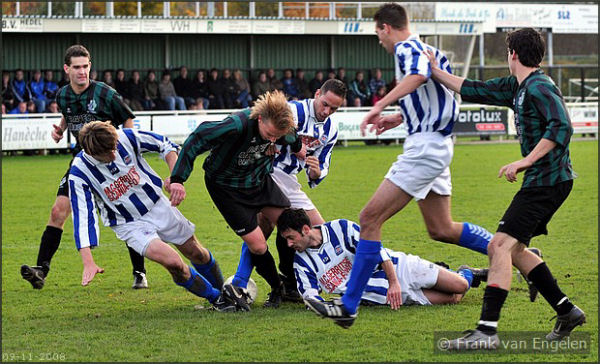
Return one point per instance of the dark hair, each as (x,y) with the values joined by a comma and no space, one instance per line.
(293,219)
(336,86)
(528,44)
(76,50)
(391,14)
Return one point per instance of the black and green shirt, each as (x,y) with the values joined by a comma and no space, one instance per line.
(540,112)
(97,102)
(237,156)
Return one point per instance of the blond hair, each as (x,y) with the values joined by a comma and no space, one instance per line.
(98,137)
(273,106)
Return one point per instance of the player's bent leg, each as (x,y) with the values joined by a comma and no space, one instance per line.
(183,275)
(442,298)
(203,261)
(500,252)
(266,226)
(450,282)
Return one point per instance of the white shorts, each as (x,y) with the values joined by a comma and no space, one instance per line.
(424,166)
(414,274)
(288,184)
(163,222)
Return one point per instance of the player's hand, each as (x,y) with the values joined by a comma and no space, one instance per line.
(167,184)
(301,154)
(57,133)
(386,122)
(271,150)
(511,170)
(177,193)
(371,118)
(394,295)
(431,56)
(89,272)
(312,164)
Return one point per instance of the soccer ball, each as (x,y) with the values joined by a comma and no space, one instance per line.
(251,289)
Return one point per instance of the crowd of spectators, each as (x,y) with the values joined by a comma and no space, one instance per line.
(215,89)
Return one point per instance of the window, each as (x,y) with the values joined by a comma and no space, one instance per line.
(64,8)
(125,8)
(294,9)
(9,7)
(180,8)
(318,10)
(94,8)
(33,8)
(238,8)
(266,8)
(152,8)
(346,10)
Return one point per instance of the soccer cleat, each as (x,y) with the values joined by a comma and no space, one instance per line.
(533,292)
(566,323)
(442,264)
(139,280)
(479,274)
(224,304)
(333,310)
(275,297)
(473,340)
(291,293)
(34,275)
(238,295)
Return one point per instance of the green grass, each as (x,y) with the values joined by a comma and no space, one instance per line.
(108,321)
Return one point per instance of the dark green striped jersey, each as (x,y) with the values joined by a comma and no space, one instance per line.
(540,112)
(238,154)
(98,102)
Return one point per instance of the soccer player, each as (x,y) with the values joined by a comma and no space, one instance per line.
(319,133)
(237,176)
(110,174)
(325,254)
(544,129)
(81,101)
(422,172)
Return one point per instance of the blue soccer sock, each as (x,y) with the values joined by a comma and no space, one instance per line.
(468,275)
(475,237)
(367,257)
(200,286)
(244,269)
(211,271)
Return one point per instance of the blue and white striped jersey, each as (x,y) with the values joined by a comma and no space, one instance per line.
(319,137)
(431,107)
(123,190)
(328,267)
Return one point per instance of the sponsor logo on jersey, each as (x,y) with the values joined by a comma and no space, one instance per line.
(335,276)
(120,187)
(92,106)
(127,159)
(112,167)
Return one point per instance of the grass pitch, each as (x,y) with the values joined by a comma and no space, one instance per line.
(108,321)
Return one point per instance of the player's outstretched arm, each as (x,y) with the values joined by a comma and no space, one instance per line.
(90,269)
(59,130)
(447,79)
(541,149)
(394,294)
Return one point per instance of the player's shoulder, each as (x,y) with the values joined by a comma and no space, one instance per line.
(541,86)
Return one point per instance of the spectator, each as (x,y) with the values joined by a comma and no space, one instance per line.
(64,80)
(200,90)
(122,86)
(94,75)
(50,87)
(151,96)
(19,87)
(168,94)
(108,79)
(36,86)
(31,107)
(359,90)
(381,92)
(290,88)
(331,74)
(3,109)
(303,90)
(216,90)
(261,85)
(341,75)
(316,83)
(230,92)
(136,91)
(8,98)
(242,89)
(376,81)
(273,80)
(183,85)
(52,107)
(20,109)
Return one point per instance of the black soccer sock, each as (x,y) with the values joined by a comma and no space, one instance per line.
(542,279)
(137,261)
(286,260)
(265,266)
(48,247)
(493,299)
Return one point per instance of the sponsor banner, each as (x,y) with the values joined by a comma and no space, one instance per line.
(34,25)
(349,127)
(143,123)
(171,26)
(30,133)
(110,25)
(584,119)
(483,120)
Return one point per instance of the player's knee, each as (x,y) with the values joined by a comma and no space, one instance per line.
(175,266)
(258,249)
(438,233)
(368,219)
(59,213)
(462,286)
(455,299)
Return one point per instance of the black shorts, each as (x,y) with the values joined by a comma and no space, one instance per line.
(240,206)
(531,209)
(63,186)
